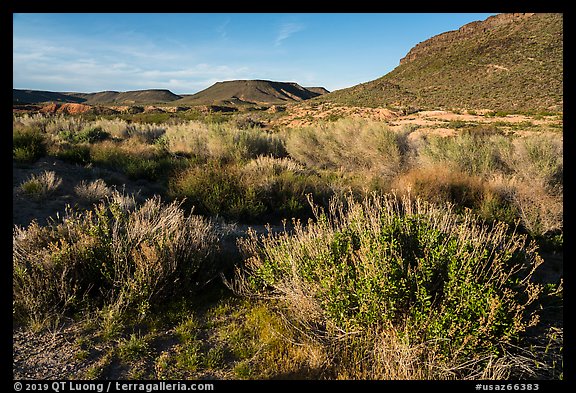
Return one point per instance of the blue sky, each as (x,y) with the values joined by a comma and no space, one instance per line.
(189,52)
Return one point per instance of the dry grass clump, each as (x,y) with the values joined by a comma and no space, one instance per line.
(399,288)
(41,186)
(92,191)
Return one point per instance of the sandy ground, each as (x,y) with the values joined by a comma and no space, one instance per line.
(435,122)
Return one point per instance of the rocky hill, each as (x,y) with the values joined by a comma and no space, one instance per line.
(149,96)
(508,62)
(249,92)
(319,90)
(21,96)
(136,97)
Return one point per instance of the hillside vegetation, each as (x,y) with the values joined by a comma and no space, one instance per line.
(509,62)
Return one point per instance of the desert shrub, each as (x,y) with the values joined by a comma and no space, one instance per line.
(28,145)
(540,211)
(254,143)
(73,153)
(222,142)
(455,124)
(350,145)
(136,160)
(35,121)
(538,159)
(536,183)
(244,123)
(472,153)
(264,188)
(67,124)
(269,166)
(86,135)
(116,256)
(151,117)
(232,144)
(144,133)
(188,138)
(482,130)
(41,186)
(116,127)
(444,286)
(92,191)
(530,169)
(283,185)
(216,189)
(438,184)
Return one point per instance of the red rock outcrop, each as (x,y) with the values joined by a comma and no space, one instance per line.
(74,109)
(49,108)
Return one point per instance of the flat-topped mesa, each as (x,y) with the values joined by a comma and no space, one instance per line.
(250,92)
(440,41)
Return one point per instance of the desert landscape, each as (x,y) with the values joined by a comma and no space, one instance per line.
(406,228)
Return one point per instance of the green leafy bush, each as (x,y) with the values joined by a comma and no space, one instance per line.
(27,145)
(419,271)
(86,135)
(137,162)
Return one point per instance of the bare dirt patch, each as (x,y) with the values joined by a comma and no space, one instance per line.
(26,208)
(438,122)
(48,355)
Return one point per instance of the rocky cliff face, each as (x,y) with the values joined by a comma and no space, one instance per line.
(441,41)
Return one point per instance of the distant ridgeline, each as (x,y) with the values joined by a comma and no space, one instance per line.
(150,96)
(238,92)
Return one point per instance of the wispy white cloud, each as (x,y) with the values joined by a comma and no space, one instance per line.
(65,64)
(286,30)
(89,75)
(222,30)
